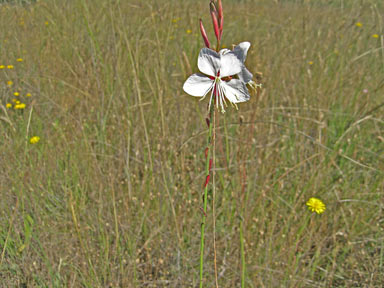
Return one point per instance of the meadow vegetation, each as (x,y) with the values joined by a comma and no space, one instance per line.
(110,195)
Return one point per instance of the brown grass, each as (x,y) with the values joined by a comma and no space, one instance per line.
(111,195)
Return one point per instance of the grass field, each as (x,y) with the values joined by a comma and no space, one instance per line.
(111,195)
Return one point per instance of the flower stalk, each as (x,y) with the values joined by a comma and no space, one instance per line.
(223,77)
(208,166)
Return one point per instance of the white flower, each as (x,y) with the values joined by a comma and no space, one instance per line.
(218,69)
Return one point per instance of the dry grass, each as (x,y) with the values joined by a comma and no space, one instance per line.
(111,195)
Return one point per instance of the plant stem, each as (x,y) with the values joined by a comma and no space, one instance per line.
(207,172)
(213,199)
(242,255)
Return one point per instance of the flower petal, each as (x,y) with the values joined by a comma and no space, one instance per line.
(245,75)
(198,85)
(208,62)
(241,50)
(229,65)
(235,91)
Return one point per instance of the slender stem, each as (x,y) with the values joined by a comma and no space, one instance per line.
(213,199)
(242,255)
(218,45)
(207,172)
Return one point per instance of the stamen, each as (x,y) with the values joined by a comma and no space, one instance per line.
(210,99)
(217,95)
(222,99)
(223,93)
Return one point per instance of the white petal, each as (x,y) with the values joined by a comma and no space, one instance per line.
(245,75)
(241,50)
(208,62)
(197,85)
(230,64)
(235,91)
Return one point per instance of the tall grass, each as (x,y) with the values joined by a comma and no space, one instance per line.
(111,195)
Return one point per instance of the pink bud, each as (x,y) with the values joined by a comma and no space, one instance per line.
(221,26)
(214,21)
(206,181)
(204,34)
(210,164)
(220,9)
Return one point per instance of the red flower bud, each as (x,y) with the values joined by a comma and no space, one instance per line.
(210,164)
(206,152)
(204,34)
(214,21)
(221,26)
(220,9)
(206,181)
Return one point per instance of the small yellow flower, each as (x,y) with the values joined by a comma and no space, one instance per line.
(28,95)
(176,20)
(2,66)
(375,36)
(316,205)
(34,139)
(189,31)
(16,93)
(310,62)
(10,66)
(19,106)
(359,24)
(17,102)
(9,83)
(8,105)
(14,100)
(46,23)
(19,59)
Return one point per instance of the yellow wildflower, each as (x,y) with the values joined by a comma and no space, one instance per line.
(19,59)
(310,62)
(8,105)
(359,24)
(2,66)
(176,20)
(14,100)
(46,23)
(28,95)
(17,102)
(19,106)
(10,66)
(9,83)
(316,205)
(375,36)
(16,93)
(189,31)
(34,139)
